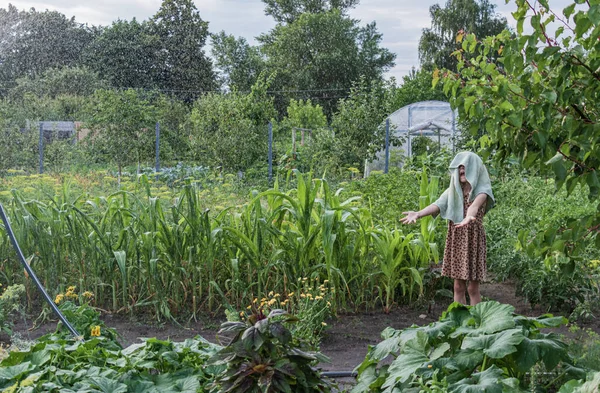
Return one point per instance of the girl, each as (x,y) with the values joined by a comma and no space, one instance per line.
(463,204)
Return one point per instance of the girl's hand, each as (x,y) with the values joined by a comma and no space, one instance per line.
(410,217)
(466,221)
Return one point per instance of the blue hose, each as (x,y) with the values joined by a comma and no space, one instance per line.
(31,273)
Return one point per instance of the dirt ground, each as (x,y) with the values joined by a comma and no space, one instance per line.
(345,342)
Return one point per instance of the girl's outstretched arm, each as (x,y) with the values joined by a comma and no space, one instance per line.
(411,217)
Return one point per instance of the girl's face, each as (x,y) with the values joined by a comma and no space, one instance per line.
(461,174)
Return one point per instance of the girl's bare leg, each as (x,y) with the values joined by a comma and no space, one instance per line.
(474,293)
(460,289)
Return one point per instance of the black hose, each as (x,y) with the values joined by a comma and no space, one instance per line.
(31,273)
(339,374)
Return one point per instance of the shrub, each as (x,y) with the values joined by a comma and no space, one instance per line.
(10,302)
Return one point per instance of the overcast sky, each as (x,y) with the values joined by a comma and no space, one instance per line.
(400,21)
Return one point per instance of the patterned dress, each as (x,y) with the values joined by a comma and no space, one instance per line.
(465,252)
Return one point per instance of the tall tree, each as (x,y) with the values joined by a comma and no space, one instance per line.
(239,62)
(181,63)
(287,11)
(324,54)
(469,16)
(31,42)
(124,54)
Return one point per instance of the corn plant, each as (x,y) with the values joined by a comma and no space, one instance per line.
(428,192)
(173,256)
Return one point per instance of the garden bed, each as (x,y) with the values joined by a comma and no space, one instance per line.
(345,341)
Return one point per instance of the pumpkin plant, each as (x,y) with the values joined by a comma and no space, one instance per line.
(480,348)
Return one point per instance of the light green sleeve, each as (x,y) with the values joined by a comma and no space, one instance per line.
(442,203)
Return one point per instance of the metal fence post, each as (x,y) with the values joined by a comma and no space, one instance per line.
(387,145)
(157,147)
(270,152)
(41,148)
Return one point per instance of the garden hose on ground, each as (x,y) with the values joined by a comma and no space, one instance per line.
(31,273)
(340,374)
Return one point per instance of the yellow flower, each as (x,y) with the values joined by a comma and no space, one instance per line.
(241,314)
(95,331)
(249,307)
(290,294)
(255,300)
(323,323)
(276,295)
(59,298)
(272,302)
(302,295)
(271,293)
(325,281)
(71,288)
(328,304)
(319,298)
(88,294)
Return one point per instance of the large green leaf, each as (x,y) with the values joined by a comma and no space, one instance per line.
(107,385)
(544,347)
(367,377)
(140,386)
(488,317)
(497,345)
(186,385)
(457,313)
(15,372)
(544,321)
(385,348)
(412,357)
(468,359)
(488,381)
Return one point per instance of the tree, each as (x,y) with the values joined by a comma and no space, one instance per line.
(180,62)
(288,11)
(416,87)
(31,42)
(437,43)
(304,114)
(324,54)
(239,62)
(124,54)
(230,131)
(536,98)
(122,124)
(359,123)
